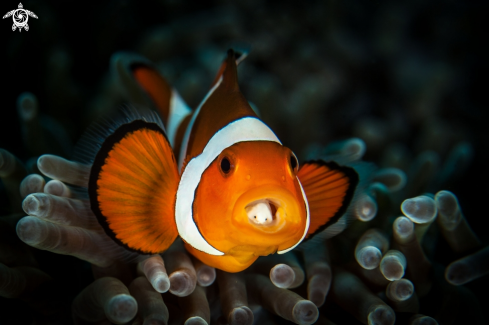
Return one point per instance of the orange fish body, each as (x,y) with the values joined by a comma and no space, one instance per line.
(258,205)
(239,195)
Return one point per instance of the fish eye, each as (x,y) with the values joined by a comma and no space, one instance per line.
(293,162)
(225,165)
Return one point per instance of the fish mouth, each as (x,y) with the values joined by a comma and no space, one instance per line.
(279,222)
(266,209)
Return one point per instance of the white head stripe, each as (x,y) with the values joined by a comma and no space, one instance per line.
(308,221)
(245,129)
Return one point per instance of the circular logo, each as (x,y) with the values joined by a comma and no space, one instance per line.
(20,17)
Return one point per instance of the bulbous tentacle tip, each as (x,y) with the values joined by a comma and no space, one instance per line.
(161,283)
(458,273)
(29,230)
(400,290)
(448,209)
(369,257)
(27,106)
(305,312)
(393,265)
(423,320)
(181,283)
(282,276)
(381,315)
(403,227)
(121,308)
(420,209)
(196,320)
(241,316)
(393,178)
(366,208)
(206,275)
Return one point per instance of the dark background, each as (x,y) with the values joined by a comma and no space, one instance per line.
(415,72)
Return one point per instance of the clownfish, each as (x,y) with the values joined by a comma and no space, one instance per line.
(217,176)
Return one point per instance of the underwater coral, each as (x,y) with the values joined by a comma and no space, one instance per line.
(398,85)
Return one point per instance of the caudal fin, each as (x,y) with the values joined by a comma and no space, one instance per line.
(144,85)
(133,180)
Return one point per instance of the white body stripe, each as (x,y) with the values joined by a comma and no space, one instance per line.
(245,129)
(308,221)
(186,137)
(177,112)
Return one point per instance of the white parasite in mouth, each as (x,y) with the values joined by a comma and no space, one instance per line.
(259,212)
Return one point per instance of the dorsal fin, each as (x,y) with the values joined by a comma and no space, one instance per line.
(224,104)
(238,57)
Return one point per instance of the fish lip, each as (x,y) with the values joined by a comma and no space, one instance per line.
(257,194)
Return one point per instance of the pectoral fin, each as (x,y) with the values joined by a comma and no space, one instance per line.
(133,183)
(329,189)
